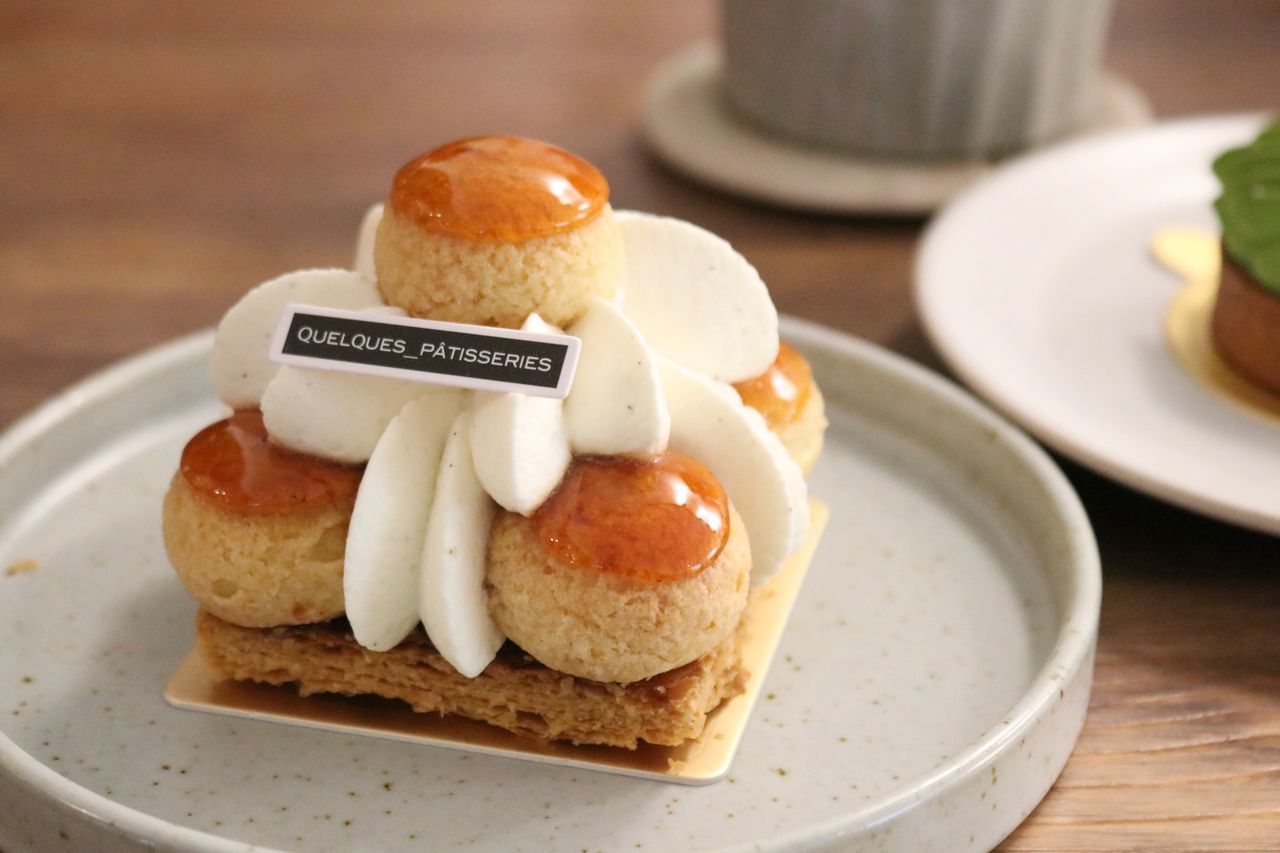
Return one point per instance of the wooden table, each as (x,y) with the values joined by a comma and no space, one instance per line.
(158,159)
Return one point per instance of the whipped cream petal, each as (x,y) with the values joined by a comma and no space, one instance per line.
(520,448)
(696,299)
(239,366)
(364,243)
(334,414)
(763,483)
(451,596)
(616,404)
(389,521)
(519,443)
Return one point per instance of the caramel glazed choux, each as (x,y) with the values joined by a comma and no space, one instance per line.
(491,231)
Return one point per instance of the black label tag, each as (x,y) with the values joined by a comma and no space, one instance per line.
(457,354)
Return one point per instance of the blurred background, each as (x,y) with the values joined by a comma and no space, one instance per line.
(157,159)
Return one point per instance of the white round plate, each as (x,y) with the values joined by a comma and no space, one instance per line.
(1039,289)
(928,690)
(688,125)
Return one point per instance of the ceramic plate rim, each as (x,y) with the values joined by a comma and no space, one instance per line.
(952,347)
(1072,649)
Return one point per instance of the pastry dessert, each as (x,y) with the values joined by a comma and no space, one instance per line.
(1246,313)
(578,569)
(791,404)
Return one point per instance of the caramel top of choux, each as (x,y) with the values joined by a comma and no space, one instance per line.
(233,465)
(499,189)
(781,392)
(651,519)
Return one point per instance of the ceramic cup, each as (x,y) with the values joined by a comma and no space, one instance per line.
(915,78)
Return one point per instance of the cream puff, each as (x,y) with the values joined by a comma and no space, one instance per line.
(492,229)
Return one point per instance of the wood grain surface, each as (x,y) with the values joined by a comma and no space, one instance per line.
(157,159)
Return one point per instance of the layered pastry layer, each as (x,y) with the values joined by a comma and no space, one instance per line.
(515,692)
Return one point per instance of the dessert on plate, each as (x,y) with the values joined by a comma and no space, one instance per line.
(575,569)
(1246,312)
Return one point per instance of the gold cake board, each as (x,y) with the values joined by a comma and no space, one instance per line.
(699,762)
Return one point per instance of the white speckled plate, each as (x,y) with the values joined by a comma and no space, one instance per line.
(689,126)
(1039,288)
(927,692)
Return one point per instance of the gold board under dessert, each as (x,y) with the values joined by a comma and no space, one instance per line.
(196,687)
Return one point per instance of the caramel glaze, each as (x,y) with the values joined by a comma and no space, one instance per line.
(233,465)
(501,189)
(781,391)
(651,519)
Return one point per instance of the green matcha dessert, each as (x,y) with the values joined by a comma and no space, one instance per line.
(1246,314)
